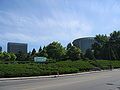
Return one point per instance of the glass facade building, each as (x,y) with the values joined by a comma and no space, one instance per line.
(16,47)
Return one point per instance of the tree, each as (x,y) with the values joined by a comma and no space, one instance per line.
(13,57)
(96,48)
(114,45)
(42,53)
(69,46)
(107,47)
(100,41)
(6,56)
(21,56)
(33,52)
(55,50)
(73,53)
(115,37)
(29,57)
(40,49)
(1,56)
(89,54)
(105,52)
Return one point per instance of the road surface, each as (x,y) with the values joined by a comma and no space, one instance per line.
(108,80)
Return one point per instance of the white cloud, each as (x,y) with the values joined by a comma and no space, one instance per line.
(61,26)
(64,24)
(16,37)
(61,20)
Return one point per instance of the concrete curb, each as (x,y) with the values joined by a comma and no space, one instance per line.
(51,76)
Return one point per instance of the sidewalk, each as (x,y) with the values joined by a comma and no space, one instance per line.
(50,76)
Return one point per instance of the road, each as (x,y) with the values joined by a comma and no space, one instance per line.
(108,80)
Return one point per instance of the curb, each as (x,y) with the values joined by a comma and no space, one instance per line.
(51,76)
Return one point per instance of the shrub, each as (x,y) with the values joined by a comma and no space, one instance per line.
(63,67)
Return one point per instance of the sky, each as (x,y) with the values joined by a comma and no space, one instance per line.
(40,22)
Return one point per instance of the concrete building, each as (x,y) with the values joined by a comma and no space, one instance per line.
(16,47)
(0,49)
(84,43)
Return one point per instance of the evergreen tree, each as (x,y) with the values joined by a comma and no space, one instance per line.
(69,46)
(40,49)
(55,50)
(21,56)
(33,52)
(89,54)
(73,53)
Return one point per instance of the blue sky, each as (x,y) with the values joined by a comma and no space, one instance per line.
(39,22)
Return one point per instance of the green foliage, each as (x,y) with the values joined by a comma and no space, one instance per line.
(33,52)
(1,56)
(107,47)
(42,53)
(29,57)
(55,50)
(115,37)
(114,45)
(18,70)
(101,40)
(40,49)
(69,46)
(21,56)
(13,56)
(63,67)
(4,56)
(105,64)
(73,53)
(89,54)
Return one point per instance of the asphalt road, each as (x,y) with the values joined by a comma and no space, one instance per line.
(109,80)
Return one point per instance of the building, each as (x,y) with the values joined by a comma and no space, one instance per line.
(16,47)
(84,43)
(0,49)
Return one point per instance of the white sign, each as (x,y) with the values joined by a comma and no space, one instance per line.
(40,59)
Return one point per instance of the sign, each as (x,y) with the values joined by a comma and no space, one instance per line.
(40,59)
